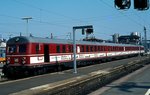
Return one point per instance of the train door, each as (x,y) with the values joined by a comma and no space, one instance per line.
(46,53)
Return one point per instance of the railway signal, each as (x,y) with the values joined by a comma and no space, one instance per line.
(89,29)
(122,4)
(138,4)
(141,4)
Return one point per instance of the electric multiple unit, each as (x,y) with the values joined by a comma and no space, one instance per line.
(27,55)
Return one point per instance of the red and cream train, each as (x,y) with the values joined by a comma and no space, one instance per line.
(27,55)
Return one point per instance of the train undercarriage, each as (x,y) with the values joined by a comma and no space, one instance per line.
(32,70)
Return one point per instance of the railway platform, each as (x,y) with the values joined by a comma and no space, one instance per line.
(136,83)
(43,83)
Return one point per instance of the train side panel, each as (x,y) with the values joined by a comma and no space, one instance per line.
(27,55)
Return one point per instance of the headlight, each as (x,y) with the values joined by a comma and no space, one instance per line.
(16,60)
(8,58)
(23,60)
(8,62)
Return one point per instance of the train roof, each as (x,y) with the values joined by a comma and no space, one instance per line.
(24,39)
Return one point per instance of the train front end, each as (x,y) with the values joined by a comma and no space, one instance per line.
(16,56)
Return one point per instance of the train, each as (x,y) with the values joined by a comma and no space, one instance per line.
(2,52)
(35,55)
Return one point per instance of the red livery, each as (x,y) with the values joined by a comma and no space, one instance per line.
(30,55)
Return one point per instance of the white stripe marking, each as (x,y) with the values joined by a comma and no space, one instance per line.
(148,92)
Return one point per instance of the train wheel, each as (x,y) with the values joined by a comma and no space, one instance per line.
(26,73)
(59,68)
(44,70)
(34,72)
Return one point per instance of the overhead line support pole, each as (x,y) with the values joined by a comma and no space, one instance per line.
(27,21)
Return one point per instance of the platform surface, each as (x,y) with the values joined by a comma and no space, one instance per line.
(26,83)
(136,83)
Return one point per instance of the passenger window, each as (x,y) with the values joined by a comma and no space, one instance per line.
(63,48)
(12,49)
(87,49)
(22,48)
(0,53)
(37,48)
(70,48)
(82,48)
(91,49)
(95,48)
(58,49)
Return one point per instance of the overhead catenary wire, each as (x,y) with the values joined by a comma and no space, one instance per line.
(44,22)
(130,19)
(34,20)
(64,23)
(57,14)
(45,10)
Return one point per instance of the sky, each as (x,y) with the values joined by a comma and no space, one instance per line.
(60,16)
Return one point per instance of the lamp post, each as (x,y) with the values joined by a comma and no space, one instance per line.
(27,21)
(74,42)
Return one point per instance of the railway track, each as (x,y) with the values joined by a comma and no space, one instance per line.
(2,77)
(13,86)
(82,82)
(59,69)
